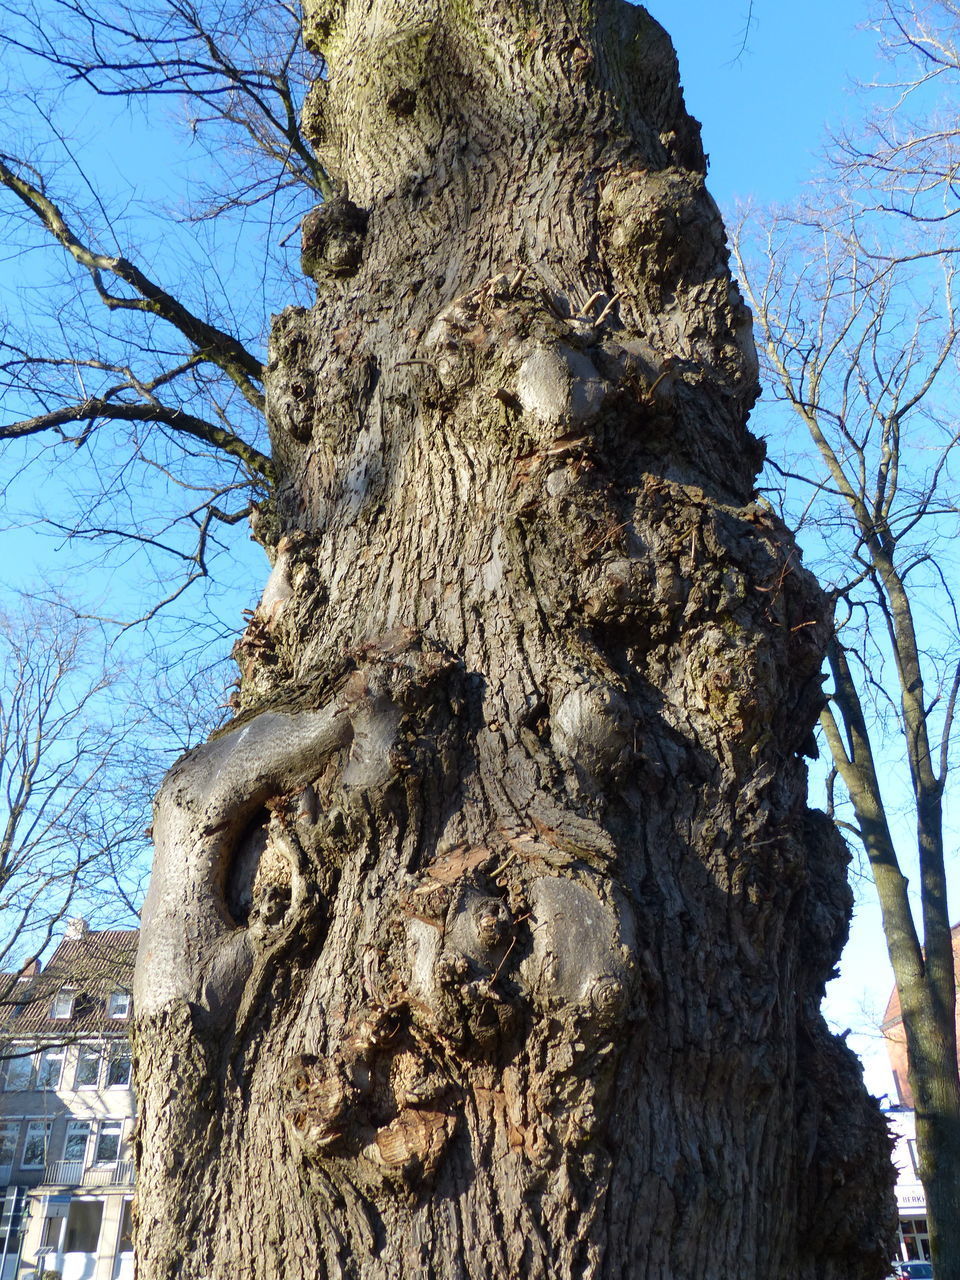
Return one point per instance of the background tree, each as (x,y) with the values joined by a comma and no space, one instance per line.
(855,299)
(71,829)
(903,163)
(81,756)
(863,350)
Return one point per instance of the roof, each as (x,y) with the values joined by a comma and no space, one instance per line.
(92,965)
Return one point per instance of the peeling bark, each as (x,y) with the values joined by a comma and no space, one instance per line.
(489,940)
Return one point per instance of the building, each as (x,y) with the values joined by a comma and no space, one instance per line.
(67,1112)
(914,1242)
(911,1200)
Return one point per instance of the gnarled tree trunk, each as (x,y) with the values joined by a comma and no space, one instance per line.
(489,939)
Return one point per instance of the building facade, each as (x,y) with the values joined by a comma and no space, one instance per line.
(911,1200)
(67,1113)
(914,1242)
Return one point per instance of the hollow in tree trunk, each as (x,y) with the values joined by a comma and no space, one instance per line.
(489,939)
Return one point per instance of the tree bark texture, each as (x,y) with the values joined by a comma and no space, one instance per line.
(489,939)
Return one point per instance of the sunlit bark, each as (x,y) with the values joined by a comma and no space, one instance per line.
(489,939)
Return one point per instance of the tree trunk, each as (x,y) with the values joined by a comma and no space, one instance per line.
(938,1140)
(489,939)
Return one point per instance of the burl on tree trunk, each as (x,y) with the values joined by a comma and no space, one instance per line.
(489,939)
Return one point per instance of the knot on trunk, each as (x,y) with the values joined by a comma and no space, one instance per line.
(662,224)
(582,960)
(331,239)
(561,386)
(460,940)
(591,725)
(378,1102)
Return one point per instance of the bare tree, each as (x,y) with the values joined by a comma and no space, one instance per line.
(238,71)
(71,828)
(856,303)
(82,749)
(861,343)
(180,398)
(906,160)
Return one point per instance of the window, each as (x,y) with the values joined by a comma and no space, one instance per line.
(61,1006)
(118,1004)
(88,1067)
(118,1070)
(49,1068)
(75,1143)
(108,1141)
(19,1072)
(9,1133)
(44,1072)
(126,1228)
(914,1239)
(35,1145)
(52,1231)
(83,1226)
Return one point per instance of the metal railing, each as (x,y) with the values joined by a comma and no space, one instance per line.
(74,1173)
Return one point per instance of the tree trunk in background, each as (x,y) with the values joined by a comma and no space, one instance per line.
(489,939)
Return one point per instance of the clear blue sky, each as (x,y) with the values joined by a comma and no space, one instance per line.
(764,94)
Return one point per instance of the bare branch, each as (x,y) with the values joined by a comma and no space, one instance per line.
(209,342)
(101,409)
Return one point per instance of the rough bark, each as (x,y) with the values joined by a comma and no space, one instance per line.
(489,939)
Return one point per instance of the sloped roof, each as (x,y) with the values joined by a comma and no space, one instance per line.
(92,965)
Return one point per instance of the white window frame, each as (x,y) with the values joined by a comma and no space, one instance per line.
(25,1058)
(74,1126)
(51,1230)
(97,1051)
(46,1126)
(117,1051)
(61,1006)
(916,1229)
(126,1208)
(78,1200)
(102,1127)
(54,1053)
(11,1126)
(118,1004)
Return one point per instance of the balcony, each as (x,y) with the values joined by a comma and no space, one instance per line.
(75,1266)
(74,1173)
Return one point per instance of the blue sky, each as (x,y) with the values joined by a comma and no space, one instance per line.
(764,107)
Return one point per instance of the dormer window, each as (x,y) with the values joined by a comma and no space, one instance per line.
(61,1006)
(118,1004)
